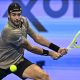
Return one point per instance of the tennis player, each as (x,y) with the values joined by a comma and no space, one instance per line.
(13,41)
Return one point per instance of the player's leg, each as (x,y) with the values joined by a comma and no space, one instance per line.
(35,72)
(4,73)
(27,69)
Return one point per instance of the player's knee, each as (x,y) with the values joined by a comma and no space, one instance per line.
(45,76)
(42,77)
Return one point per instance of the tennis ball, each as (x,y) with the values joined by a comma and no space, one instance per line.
(13,68)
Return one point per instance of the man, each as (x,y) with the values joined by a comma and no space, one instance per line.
(13,41)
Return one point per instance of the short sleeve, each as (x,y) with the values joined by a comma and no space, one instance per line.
(30,31)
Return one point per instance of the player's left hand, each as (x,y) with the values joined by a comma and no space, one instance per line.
(62,51)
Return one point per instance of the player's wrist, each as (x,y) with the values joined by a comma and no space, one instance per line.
(54,47)
(45,52)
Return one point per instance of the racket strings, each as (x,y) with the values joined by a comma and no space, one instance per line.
(77,42)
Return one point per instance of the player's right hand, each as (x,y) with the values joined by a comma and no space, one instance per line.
(55,55)
(63,51)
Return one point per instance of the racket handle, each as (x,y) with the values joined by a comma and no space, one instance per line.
(68,48)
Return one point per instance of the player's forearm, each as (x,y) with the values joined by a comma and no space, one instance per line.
(46,43)
(40,40)
(44,52)
(38,50)
(35,49)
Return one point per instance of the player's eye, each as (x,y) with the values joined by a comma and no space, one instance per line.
(19,14)
(13,14)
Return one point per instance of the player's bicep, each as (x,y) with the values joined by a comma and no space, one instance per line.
(29,31)
(32,34)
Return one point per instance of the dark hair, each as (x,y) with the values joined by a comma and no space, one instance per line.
(14,7)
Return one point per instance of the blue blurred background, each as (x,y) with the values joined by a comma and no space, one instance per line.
(58,21)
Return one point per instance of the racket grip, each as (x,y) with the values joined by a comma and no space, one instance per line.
(69,48)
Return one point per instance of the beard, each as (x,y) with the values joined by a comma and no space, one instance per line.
(16,22)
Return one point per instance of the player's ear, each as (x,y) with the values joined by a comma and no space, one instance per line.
(8,16)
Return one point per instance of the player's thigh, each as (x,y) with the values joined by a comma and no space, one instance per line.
(34,71)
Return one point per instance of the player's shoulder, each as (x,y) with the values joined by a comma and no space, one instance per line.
(22,17)
(6,28)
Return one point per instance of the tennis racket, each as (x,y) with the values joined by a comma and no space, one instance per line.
(75,43)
